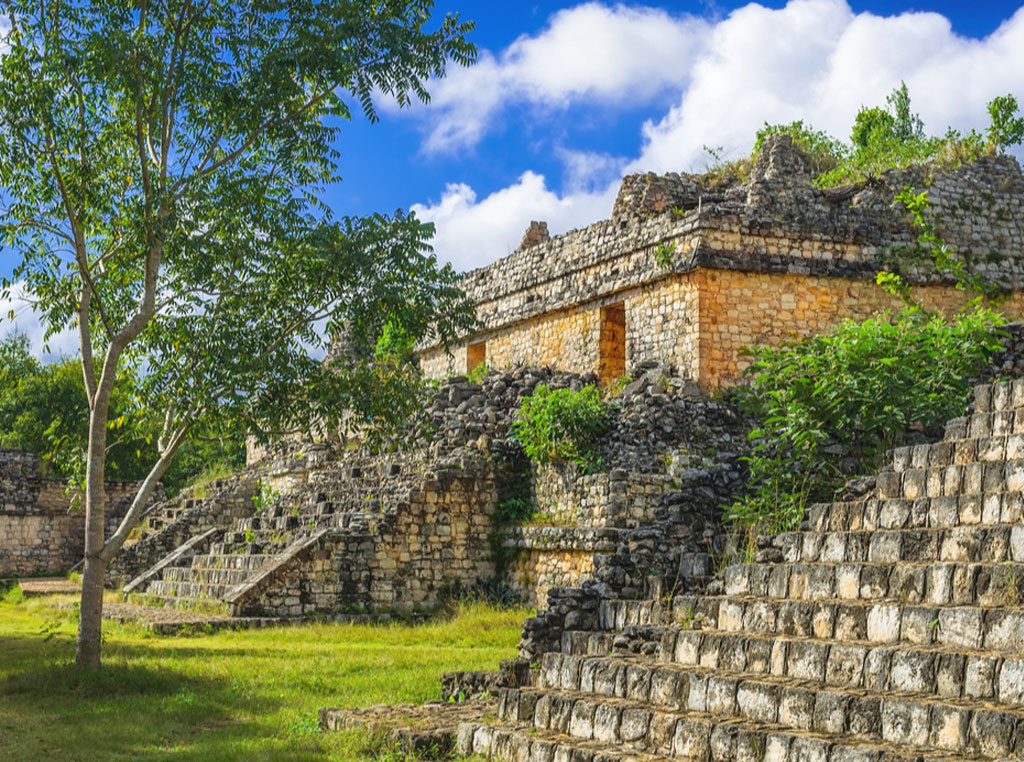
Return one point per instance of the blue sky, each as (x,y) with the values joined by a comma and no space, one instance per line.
(567,97)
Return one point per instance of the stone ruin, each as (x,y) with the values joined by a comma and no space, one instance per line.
(315,530)
(887,628)
(688,272)
(41,528)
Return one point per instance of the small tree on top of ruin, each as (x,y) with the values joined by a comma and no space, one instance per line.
(159,170)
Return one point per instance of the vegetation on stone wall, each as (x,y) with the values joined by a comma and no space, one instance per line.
(881,138)
(830,406)
(562,425)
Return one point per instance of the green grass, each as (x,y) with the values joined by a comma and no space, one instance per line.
(249,695)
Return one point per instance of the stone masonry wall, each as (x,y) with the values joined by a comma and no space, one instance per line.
(739,309)
(41,528)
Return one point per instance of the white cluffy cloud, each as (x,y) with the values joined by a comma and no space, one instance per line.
(814,60)
(17,315)
(612,55)
(472,232)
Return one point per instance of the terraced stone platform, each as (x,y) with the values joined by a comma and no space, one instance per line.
(889,628)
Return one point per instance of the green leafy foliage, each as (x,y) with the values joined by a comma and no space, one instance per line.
(562,425)
(479,373)
(1006,128)
(44,410)
(891,137)
(832,405)
(664,254)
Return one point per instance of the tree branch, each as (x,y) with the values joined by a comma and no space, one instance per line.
(145,492)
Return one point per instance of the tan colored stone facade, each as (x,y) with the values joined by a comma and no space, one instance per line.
(537,571)
(697,276)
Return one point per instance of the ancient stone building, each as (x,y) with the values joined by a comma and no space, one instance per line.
(688,274)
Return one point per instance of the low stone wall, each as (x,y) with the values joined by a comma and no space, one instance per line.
(42,528)
(538,570)
(618,498)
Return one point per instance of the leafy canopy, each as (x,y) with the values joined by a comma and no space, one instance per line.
(44,410)
(160,172)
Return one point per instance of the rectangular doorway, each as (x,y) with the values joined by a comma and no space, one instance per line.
(475,355)
(612,343)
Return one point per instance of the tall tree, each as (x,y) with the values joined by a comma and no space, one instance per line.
(160,163)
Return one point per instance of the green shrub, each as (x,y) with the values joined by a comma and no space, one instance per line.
(561,425)
(831,406)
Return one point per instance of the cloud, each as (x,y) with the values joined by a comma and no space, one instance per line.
(814,60)
(27,321)
(473,232)
(592,52)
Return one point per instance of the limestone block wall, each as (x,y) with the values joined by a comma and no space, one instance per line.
(617,498)
(538,570)
(42,529)
(739,309)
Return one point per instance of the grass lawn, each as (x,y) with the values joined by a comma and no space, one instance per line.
(248,695)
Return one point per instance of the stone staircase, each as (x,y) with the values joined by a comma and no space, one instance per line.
(342,498)
(886,629)
(362,533)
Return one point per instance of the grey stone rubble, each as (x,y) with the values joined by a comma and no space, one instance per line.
(889,627)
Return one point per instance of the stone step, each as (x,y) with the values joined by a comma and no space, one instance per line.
(965,544)
(989,437)
(936,670)
(193,590)
(527,744)
(637,728)
(987,584)
(935,513)
(614,705)
(793,669)
(976,474)
(239,546)
(725,742)
(207,575)
(956,626)
(231,561)
(1004,395)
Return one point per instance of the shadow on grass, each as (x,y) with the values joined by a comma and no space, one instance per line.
(52,711)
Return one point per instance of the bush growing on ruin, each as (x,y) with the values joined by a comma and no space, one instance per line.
(891,137)
(563,426)
(831,406)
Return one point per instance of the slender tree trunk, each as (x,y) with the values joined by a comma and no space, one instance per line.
(90,613)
